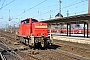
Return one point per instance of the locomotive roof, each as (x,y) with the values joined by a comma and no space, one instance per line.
(27,19)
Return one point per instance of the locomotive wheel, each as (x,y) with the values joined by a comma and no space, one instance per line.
(25,41)
(19,38)
(28,41)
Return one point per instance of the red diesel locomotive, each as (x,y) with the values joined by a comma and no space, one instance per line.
(34,33)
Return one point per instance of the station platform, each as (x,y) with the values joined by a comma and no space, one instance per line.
(73,39)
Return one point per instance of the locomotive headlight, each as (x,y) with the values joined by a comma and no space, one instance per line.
(42,34)
(36,41)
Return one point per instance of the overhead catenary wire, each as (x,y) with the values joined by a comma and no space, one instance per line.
(47,11)
(3,3)
(32,7)
(7,4)
(74,4)
(80,11)
(69,14)
(49,6)
(62,7)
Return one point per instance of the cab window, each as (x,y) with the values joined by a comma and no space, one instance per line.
(33,20)
(26,21)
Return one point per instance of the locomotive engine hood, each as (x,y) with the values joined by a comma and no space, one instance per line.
(39,29)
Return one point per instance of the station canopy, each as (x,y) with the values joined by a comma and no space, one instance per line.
(71,19)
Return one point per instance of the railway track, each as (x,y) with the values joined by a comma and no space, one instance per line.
(60,54)
(79,51)
(8,39)
(82,46)
(52,55)
(61,50)
(6,53)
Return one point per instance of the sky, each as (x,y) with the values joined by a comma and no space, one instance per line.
(19,10)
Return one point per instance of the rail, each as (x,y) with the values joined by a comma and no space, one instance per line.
(2,57)
(9,50)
